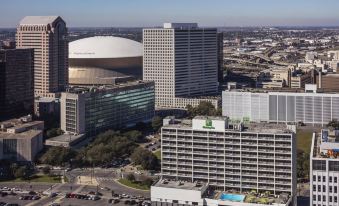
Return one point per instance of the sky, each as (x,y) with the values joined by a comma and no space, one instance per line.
(143,13)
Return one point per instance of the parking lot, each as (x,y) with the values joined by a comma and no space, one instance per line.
(68,194)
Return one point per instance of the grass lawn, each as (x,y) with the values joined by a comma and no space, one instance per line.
(38,178)
(135,185)
(304,140)
(158,154)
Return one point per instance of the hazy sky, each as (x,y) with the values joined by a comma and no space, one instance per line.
(79,13)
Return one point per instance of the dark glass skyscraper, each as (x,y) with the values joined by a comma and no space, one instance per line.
(16,82)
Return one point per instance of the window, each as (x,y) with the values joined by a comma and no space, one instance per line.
(330,188)
(314,198)
(324,178)
(335,189)
(324,188)
(319,165)
(330,199)
(324,198)
(335,179)
(335,199)
(314,178)
(330,179)
(314,188)
(319,178)
(319,188)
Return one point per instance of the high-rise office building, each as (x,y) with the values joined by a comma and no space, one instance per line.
(91,110)
(16,83)
(182,59)
(324,169)
(220,57)
(47,35)
(230,156)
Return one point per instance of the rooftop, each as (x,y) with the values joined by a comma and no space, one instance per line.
(86,89)
(23,135)
(266,128)
(38,20)
(181,185)
(326,144)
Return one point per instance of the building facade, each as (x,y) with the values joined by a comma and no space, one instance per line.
(324,169)
(309,108)
(182,60)
(228,156)
(21,139)
(16,83)
(93,110)
(47,35)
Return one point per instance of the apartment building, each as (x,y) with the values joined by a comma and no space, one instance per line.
(230,156)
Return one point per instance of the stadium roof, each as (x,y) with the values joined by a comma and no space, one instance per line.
(104,47)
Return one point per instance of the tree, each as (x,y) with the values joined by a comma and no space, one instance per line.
(134,135)
(156,123)
(145,158)
(204,109)
(334,124)
(46,170)
(21,172)
(130,177)
(57,156)
(54,132)
(147,181)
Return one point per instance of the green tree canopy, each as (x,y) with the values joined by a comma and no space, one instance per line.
(204,109)
(145,158)
(156,123)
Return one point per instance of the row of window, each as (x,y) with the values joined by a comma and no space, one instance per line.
(330,179)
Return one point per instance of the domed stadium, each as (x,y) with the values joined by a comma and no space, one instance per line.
(104,60)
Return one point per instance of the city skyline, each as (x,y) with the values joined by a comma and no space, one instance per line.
(134,13)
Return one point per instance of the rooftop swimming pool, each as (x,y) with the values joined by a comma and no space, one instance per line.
(232,197)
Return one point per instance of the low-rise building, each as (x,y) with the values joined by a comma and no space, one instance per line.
(21,139)
(173,193)
(324,168)
(281,107)
(91,110)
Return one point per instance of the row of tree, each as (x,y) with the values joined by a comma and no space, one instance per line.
(105,148)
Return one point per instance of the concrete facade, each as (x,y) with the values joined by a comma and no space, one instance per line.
(324,169)
(47,35)
(309,108)
(182,59)
(229,157)
(21,139)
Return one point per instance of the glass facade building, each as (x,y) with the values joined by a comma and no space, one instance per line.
(94,110)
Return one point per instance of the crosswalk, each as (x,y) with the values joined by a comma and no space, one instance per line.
(105,179)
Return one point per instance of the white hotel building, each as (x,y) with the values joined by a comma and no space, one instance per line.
(230,157)
(309,108)
(182,60)
(324,169)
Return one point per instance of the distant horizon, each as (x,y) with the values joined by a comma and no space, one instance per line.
(151,13)
(139,27)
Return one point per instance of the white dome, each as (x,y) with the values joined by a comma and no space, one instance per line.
(104,47)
